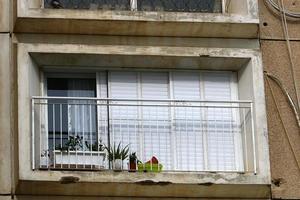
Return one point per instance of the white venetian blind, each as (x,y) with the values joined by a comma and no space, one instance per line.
(156,119)
(182,138)
(188,129)
(124,120)
(219,122)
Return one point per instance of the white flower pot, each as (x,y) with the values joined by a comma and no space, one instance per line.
(117,165)
(78,158)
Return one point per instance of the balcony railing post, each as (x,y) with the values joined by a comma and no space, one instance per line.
(32,134)
(224,6)
(133,5)
(253,139)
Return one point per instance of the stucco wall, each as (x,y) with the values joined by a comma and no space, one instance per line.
(270,24)
(284,170)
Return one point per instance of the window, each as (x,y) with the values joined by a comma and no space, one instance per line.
(195,133)
(209,6)
(65,120)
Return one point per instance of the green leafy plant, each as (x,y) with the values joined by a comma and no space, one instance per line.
(96,146)
(73,144)
(116,152)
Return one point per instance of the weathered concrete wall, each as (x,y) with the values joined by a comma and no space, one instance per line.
(104,198)
(32,19)
(138,41)
(284,145)
(4,16)
(5,120)
(5,197)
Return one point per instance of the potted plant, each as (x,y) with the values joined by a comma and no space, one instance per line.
(133,161)
(96,146)
(152,165)
(79,154)
(116,155)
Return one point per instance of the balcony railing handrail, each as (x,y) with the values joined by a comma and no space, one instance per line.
(140,100)
(245,107)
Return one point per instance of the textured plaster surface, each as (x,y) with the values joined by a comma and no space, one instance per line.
(284,137)
(270,24)
(284,171)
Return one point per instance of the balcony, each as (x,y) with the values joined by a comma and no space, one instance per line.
(178,18)
(208,6)
(156,135)
(37,176)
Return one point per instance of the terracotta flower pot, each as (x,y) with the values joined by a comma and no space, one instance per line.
(132,166)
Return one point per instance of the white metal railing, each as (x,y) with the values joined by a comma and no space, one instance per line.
(160,134)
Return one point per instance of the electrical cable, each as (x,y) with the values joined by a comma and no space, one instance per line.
(287,94)
(285,15)
(275,7)
(283,124)
(287,38)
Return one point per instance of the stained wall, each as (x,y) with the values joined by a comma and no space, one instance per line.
(284,135)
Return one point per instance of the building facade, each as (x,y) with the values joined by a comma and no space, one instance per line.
(139,99)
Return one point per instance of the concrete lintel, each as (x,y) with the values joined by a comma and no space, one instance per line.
(140,50)
(137,41)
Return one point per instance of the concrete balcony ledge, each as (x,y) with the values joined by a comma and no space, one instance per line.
(35,19)
(188,185)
